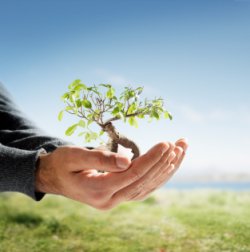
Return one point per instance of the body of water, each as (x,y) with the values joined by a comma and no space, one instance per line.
(234,186)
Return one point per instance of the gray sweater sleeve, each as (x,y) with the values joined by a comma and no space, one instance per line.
(20,144)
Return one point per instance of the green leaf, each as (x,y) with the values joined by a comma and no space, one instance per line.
(105,85)
(132,121)
(81,123)
(71,129)
(60,115)
(101,133)
(170,116)
(81,134)
(131,94)
(65,96)
(87,137)
(69,108)
(73,84)
(120,115)
(166,115)
(116,110)
(97,111)
(156,115)
(139,90)
(78,103)
(132,108)
(110,93)
(90,116)
(93,136)
(80,87)
(86,103)
(95,90)
(89,122)
(141,116)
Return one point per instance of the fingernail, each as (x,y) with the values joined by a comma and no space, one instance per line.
(122,162)
(164,149)
(172,156)
(184,138)
(171,169)
(180,154)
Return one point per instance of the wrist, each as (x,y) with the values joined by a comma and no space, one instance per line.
(42,173)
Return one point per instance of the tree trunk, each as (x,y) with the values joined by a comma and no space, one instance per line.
(116,138)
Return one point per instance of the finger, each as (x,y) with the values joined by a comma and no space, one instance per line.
(182,143)
(166,175)
(173,157)
(178,151)
(180,148)
(85,159)
(143,183)
(167,157)
(167,172)
(139,167)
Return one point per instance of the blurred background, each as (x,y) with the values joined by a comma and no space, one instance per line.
(193,54)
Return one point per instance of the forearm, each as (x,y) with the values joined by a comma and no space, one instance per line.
(17,171)
(20,145)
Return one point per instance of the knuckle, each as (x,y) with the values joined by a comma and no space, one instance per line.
(161,162)
(141,197)
(135,175)
(99,159)
(145,195)
(179,150)
(171,145)
(70,155)
(164,145)
(131,194)
(134,195)
(105,160)
(105,207)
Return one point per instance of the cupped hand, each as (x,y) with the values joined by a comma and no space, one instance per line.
(73,172)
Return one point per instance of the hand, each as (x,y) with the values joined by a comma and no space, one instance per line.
(175,156)
(72,172)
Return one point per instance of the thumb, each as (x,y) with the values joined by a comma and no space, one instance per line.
(104,160)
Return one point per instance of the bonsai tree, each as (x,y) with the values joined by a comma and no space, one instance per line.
(99,104)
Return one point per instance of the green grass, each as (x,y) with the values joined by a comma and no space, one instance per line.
(167,221)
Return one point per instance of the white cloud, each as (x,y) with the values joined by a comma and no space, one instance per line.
(114,79)
(121,81)
(194,115)
(191,114)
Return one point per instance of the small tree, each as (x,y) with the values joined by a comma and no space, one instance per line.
(99,104)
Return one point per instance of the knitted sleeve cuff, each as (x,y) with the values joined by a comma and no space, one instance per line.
(18,171)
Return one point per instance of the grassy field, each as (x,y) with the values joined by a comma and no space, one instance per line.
(167,221)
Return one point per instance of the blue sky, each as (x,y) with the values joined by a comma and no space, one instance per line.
(194,54)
